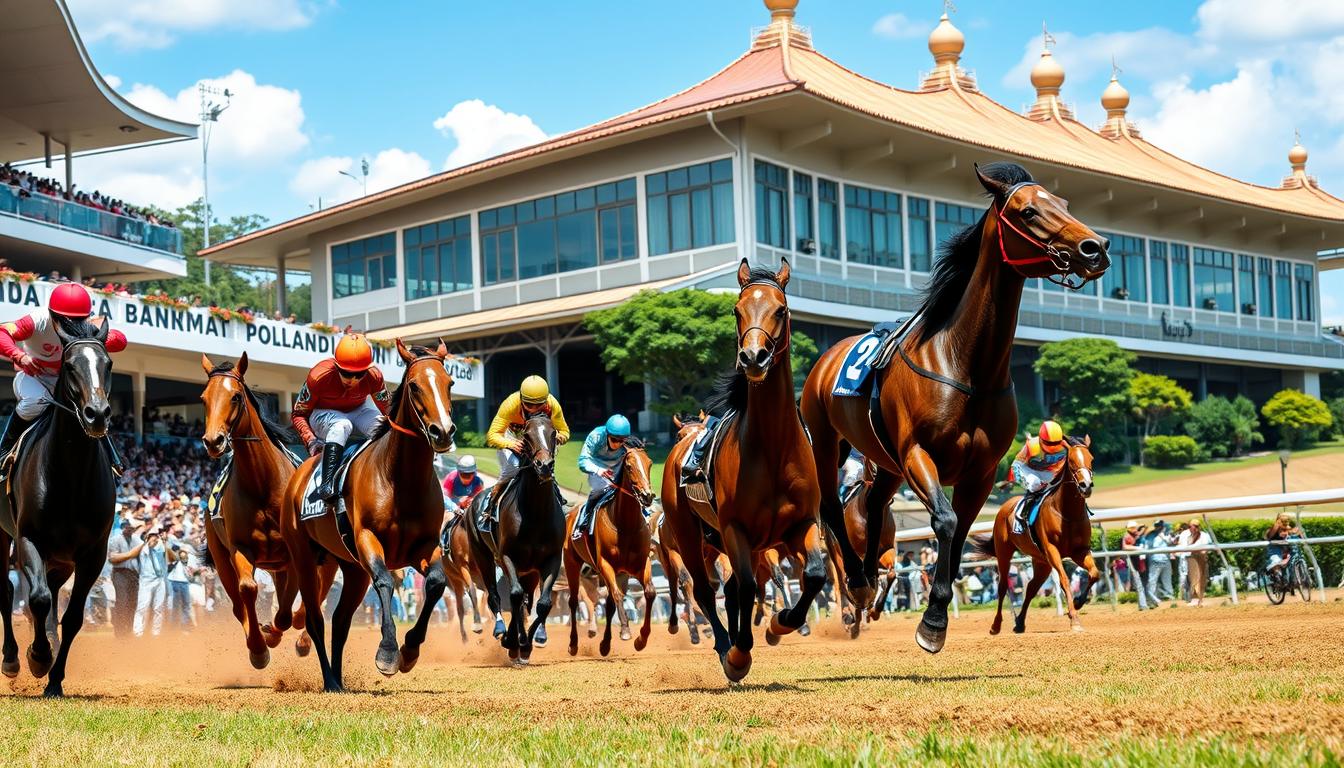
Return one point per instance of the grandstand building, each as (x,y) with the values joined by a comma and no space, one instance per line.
(785,152)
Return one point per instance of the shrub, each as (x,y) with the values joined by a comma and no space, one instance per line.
(1299,417)
(1171,450)
(1224,427)
(1337,413)
(469,439)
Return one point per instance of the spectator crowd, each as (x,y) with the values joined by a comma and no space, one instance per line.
(25,185)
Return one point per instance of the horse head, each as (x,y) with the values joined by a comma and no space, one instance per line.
(539,444)
(1038,236)
(1080,464)
(225,399)
(636,469)
(763,324)
(428,391)
(86,373)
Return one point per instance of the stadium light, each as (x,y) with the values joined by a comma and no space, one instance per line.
(364,169)
(210,112)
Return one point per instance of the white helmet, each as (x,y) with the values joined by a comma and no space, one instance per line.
(467,464)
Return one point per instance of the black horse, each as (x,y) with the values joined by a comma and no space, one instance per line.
(529,538)
(62,501)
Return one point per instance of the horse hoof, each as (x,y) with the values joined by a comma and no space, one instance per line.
(592,633)
(573,649)
(863,596)
(10,668)
(540,639)
(641,642)
(695,638)
(513,653)
(736,664)
(930,639)
(673,629)
(53,691)
(771,638)
(271,636)
(854,630)
(476,627)
(259,659)
(759,618)
(303,646)
(625,635)
(1019,629)
(521,661)
(805,630)
(874,613)
(387,662)
(406,659)
(38,667)
(1077,627)
(499,628)
(778,626)
(605,647)
(994,629)
(847,618)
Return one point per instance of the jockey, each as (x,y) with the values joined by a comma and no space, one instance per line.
(342,395)
(32,344)
(602,454)
(533,397)
(461,486)
(1038,464)
(851,473)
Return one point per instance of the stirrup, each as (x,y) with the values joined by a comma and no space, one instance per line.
(698,491)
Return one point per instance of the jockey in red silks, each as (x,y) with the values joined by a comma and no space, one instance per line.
(31,343)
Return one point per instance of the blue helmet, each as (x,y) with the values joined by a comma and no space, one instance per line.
(618,426)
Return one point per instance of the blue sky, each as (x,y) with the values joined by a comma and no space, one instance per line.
(419,86)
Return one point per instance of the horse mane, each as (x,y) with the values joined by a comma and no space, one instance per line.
(634,442)
(1074,441)
(76,328)
(394,406)
(764,275)
(729,393)
(277,433)
(957,259)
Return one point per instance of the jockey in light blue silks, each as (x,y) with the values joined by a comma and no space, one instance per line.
(602,454)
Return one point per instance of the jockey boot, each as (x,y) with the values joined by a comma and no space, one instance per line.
(691,471)
(13,428)
(585,518)
(331,460)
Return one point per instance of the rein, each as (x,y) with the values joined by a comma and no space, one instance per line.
(390,418)
(1049,253)
(233,425)
(55,399)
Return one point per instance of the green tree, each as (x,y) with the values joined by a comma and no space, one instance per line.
(1224,427)
(677,342)
(1155,398)
(1093,376)
(1299,417)
(1337,413)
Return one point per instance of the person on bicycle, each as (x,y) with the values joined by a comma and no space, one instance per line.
(1283,529)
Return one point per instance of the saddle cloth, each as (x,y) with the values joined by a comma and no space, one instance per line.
(873,351)
(226,472)
(315,509)
(701,495)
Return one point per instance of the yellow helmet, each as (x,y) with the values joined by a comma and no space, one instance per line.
(534,390)
(1051,433)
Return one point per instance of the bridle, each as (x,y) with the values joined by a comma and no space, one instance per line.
(777,345)
(1056,257)
(237,417)
(391,417)
(1073,475)
(531,449)
(55,397)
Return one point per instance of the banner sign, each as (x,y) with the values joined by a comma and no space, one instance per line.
(197,329)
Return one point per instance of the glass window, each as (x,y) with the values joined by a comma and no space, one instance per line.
(1213,280)
(873,227)
(802,214)
(560,233)
(828,218)
(1246,283)
(1264,302)
(431,252)
(1157,269)
(364,265)
(1304,275)
(950,219)
(772,205)
(1180,275)
(1283,290)
(691,207)
(921,244)
(1126,279)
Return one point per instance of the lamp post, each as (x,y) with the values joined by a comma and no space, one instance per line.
(364,171)
(1284,455)
(210,112)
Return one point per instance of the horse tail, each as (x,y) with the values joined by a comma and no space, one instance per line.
(983,545)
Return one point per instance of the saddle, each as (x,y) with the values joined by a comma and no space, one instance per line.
(1030,504)
(315,509)
(701,494)
(446,535)
(872,352)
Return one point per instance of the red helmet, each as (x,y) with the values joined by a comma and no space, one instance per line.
(353,353)
(71,300)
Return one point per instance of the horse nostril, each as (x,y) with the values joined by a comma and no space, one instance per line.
(744,358)
(90,414)
(435,432)
(1092,247)
(762,356)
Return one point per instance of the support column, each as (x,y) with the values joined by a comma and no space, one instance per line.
(552,362)
(281,298)
(1203,382)
(138,381)
(1038,390)
(285,407)
(482,405)
(77,273)
(648,420)
(69,169)
(1311,383)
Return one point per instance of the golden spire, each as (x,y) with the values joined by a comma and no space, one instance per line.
(946,44)
(1115,100)
(1047,76)
(1297,158)
(782,28)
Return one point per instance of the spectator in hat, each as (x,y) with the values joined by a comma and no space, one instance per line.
(1131,543)
(153,593)
(1197,563)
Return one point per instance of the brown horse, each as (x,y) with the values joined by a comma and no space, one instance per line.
(1063,529)
(618,548)
(395,510)
(679,585)
(461,574)
(946,412)
(244,533)
(764,477)
(856,528)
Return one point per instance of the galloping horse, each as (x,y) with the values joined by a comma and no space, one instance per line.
(1062,529)
(243,534)
(462,576)
(617,548)
(856,529)
(945,410)
(62,494)
(665,540)
(528,540)
(395,511)
(763,476)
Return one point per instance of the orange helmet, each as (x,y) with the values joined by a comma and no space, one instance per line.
(71,300)
(353,353)
(1051,433)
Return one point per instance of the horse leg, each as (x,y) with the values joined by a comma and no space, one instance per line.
(688,589)
(646,581)
(875,502)
(435,582)
(303,563)
(737,661)
(888,577)
(615,603)
(10,664)
(472,597)
(371,555)
(673,577)
(517,606)
(352,596)
(1040,571)
(257,651)
(285,590)
(1004,553)
(1090,574)
(806,541)
(228,577)
(486,569)
(39,606)
(573,579)
(73,618)
(326,574)
(1057,565)
(550,573)
(826,452)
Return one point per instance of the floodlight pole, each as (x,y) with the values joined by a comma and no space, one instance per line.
(210,112)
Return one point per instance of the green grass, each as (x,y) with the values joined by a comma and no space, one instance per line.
(567,464)
(1120,475)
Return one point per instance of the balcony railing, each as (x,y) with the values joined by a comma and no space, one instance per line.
(81,218)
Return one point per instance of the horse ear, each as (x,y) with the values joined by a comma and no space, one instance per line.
(676,422)
(1087,441)
(241,367)
(703,415)
(782,276)
(442,351)
(207,365)
(743,274)
(994,187)
(100,331)
(405,353)
(59,325)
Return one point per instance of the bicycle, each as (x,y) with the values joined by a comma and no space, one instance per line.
(1294,576)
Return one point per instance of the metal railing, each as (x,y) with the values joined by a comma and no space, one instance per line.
(65,214)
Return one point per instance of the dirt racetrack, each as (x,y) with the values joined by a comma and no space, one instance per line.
(1252,684)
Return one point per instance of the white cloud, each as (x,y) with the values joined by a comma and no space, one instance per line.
(484,130)
(112,81)
(1257,21)
(155,23)
(321,177)
(896,26)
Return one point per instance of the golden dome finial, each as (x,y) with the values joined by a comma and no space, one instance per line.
(1115,99)
(1297,156)
(781,9)
(946,41)
(1047,75)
